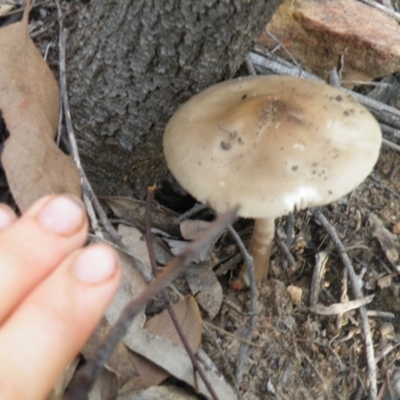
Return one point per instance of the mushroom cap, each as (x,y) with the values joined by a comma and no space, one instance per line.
(271,144)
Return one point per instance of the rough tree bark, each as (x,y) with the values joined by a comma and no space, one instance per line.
(132,62)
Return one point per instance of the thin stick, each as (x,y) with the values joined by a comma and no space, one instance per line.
(244,347)
(87,375)
(390,144)
(92,204)
(167,301)
(382,112)
(357,291)
(250,67)
(231,335)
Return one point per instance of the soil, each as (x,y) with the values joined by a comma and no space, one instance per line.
(295,353)
(298,354)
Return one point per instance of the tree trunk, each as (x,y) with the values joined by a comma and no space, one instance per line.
(132,63)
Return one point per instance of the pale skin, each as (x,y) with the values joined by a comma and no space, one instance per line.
(53,293)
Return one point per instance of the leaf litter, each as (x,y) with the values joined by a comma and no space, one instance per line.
(29,103)
(280,368)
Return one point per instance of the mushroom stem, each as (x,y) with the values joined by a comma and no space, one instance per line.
(260,247)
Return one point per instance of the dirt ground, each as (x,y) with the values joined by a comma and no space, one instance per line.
(297,354)
(301,355)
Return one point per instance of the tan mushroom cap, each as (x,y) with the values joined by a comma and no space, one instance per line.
(272,144)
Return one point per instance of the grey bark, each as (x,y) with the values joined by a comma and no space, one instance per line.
(131,63)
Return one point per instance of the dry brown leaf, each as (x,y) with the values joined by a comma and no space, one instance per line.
(133,210)
(121,361)
(105,387)
(387,240)
(188,315)
(190,228)
(5,9)
(205,285)
(175,360)
(63,381)
(29,103)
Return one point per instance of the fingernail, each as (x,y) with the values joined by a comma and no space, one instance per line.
(63,215)
(95,265)
(6,217)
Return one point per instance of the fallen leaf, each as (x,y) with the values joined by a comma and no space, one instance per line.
(105,387)
(63,381)
(205,285)
(29,103)
(386,239)
(188,315)
(190,228)
(135,241)
(121,361)
(174,359)
(133,211)
(5,9)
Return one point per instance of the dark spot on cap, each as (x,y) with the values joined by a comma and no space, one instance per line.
(244,96)
(330,192)
(232,135)
(348,112)
(295,167)
(225,145)
(339,98)
(240,140)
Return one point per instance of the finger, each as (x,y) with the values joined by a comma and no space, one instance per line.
(35,244)
(7,216)
(52,324)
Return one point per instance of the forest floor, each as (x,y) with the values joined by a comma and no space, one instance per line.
(297,354)
(301,355)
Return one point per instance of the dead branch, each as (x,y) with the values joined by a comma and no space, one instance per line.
(244,347)
(357,291)
(167,301)
(88,374)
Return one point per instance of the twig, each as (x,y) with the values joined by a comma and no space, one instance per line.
(315,370)
(341,308)
(86,376)
(89,197)
(194,210)
(229,334)
(222,354)
(357,291)
(284,249)
(284,48)
(165,297)
(244,347)
(289,230)
(321,259)
(380,314)
(384,186)
(250,67)
(390,144)
(382,112)
(233,307)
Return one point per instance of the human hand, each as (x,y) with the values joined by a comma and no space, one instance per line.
(53,293)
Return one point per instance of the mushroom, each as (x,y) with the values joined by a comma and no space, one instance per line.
(273,145)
